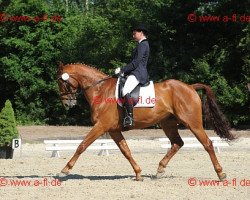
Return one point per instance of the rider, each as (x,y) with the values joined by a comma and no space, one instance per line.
(136,70)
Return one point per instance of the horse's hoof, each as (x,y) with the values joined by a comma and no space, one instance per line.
(159,174)
(62,174)
(222,176)
(140,179)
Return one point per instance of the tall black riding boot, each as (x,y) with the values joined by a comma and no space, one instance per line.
(128,105)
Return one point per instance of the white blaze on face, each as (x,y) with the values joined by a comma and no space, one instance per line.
(65,76)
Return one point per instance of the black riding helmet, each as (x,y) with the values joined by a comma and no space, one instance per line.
(141,27)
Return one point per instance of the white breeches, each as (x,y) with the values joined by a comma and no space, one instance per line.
(130,84)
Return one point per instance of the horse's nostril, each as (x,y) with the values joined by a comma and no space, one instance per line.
(66,104)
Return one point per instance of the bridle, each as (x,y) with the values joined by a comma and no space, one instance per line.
(69,86)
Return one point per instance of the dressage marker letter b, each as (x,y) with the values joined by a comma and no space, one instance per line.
(16,143)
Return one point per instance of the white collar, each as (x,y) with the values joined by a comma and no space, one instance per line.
(144,38)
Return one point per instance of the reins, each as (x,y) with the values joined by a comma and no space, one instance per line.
(98,82)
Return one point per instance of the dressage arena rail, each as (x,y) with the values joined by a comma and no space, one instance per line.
(104,145)
(192,142)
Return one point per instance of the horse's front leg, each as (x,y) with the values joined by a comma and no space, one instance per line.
(96,131)
(122,144)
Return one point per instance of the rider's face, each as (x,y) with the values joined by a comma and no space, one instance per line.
(138,35)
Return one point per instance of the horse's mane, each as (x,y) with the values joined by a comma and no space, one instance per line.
(88,66)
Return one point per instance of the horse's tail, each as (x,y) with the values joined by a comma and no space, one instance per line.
(216,117)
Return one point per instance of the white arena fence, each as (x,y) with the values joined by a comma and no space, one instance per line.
(104,145)
(192,142)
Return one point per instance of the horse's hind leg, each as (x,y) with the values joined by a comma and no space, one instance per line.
(169,127)
(193,121)
(200,134)
(122,144)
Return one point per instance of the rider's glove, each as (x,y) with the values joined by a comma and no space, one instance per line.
(119,72)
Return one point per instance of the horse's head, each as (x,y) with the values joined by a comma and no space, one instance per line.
(70,77)
(68,85)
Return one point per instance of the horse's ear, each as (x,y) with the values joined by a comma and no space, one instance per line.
(60,65)
(60,68)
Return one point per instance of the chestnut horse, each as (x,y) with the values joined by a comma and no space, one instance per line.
(176,102)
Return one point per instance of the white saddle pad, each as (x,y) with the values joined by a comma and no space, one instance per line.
(146,96)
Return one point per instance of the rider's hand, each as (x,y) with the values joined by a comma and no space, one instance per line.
(117,70)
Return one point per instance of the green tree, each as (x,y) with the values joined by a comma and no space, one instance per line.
(98,33)
(29,54)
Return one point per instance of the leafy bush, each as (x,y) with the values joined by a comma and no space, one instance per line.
(8,129)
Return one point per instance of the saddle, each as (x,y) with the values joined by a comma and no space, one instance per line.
(141,96)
